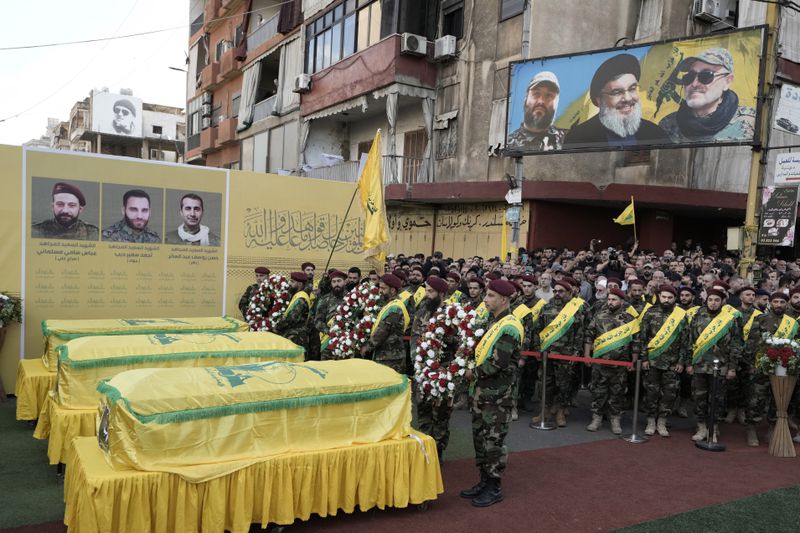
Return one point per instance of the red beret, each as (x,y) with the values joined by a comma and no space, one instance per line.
(529,279)
(668,288)
(299,276)
(635,281)
(686,288)
(746,288)
(716,292)
(417,268)
(62,187)
(392,281)
(400,273)
(454,276)
(720,283)
(779,296)
(516,285)
(436,283)
(262,270)
(614,280)
(795,290)
(306,265)
(617,292)
(337,274)
(572,281)
(479,281)
(492,276)
(561,283)
(502,287)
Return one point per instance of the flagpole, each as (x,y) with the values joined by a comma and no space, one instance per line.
(339,233)
(635,238)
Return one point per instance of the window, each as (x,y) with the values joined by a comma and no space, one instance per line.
(363,148)
(222,47)
(194,117)
(157,130)
(453,18)
(238,36)
(446,140)
(235,99)
(511,8)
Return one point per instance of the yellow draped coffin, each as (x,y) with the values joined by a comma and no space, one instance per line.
(85,362)
(202,423)
(58,332)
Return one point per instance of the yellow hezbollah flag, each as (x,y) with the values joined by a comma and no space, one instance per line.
(370,187)
(627,217)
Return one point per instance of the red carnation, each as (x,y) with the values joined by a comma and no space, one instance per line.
(453,368)
(435,365)
(452,312)
(443,382)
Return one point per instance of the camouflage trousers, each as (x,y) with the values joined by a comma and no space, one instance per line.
(526,386)
(759,395)
(661,388)
(559,382)
(608,387)
(433,418)
(398,365)
(701,394)
(737,392)
(490,418)
(312,345)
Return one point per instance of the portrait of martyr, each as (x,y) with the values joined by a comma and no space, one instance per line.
(64,209)
(132,214)
(192,218)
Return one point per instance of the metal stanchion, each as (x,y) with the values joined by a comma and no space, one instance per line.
(709,444)
(634,437)
(543,424)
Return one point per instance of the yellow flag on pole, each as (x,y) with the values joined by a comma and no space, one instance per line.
(627,217)
(370,186)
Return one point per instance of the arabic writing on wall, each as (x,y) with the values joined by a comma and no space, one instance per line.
(301,230)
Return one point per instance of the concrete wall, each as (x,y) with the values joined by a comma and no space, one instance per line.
(167,121)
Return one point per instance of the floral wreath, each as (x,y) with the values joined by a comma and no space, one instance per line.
(353,321)
(434,377)
(268,303)
(781,352)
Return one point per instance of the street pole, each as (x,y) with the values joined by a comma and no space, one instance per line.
(758,160)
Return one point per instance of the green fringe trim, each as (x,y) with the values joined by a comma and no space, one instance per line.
(658,352)
(234,327)
(186,415)
(129,360)
(558,334)
(505,330)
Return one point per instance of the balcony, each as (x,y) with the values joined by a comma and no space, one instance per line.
(210,14)
(208,140)
(227,131)
(209,76)
(408,172)
(264,108)
(261,34)
(228,66)
(192,142)
(230,5)
(75,134)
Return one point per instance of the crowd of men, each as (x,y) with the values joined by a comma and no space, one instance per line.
(687,315)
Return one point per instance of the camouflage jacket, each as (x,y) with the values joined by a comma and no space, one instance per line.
(420,324)
(527,324)
(495,376)
(522,139)
(293,325)
(571,343)
(326,308)
(604,321)
(792,312)
(637,303)
(764,323)
(728,349)
(677,352)
(740,128)
(79,231)
(121,232)
(244,301)
(386,340)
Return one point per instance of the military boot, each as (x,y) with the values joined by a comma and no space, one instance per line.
(595,424)
(740,417)
(731,416)
(683,409)
(752,436)
(490,495)
(514,414)
(651,426)
(616,426)
(702,432)
(561,417)
(538,418)
(661,427)
(476,489)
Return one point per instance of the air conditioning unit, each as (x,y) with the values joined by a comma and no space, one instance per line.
(444,48)
(156,155)
(711,11)
(413,44)
(205,110)
(206,98)
(205,123)
(302,83)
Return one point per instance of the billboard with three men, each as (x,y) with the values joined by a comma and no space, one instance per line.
(685,92)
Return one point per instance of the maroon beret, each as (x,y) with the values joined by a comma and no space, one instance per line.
(502,287)
(720,283)
(716,292)
(668,288)
(306,265)
(795,290)
(62,187)
(454,276)
(686,288)
(635,281)
(529,279)
(436,283)
(617,292)
(262,270)
(479,281)
(337,274)
(516,285)
(569,279)
(299,276)
(614,280)
(779,296)
(400,273)
(492,276)
(392,281)
(561,283)
(417,268)
(747,288)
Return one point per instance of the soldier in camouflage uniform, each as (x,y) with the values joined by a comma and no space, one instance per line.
(327,305)
(686,301)
(537,132)
(68,204)
(530,365)
(636,295)
(244,301)
(135,216)
(474,295)
(609,383)
(793,309)
(386,340)
(737,388)
(491,400)
(433,415)
(727,349)
(313,342)
(293,325)
(664,363)
(559,378)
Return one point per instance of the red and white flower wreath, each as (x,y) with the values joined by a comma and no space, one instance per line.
(353,321)
(268,303)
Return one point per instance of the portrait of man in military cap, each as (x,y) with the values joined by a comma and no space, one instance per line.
(537,132)
(124,121)
(66,202)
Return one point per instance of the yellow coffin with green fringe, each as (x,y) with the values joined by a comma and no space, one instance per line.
(202,423)
(58,332)
(83,363)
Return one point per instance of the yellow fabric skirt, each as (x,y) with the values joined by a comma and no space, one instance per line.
(277,490)
(34,381)
(60,426)
(58,332)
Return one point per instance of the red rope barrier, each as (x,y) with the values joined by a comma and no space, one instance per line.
(590,360)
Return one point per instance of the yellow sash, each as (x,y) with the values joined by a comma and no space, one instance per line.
(481,311)
(691,312)
(324,339)
(747,327)
(403,296)
(299,295)
(394,305)
(419,295)
(536,310)
(455,297)
(615,338)
(509,324)
(787,329)
(636,314)
(521,311)
(666,334)
(560,324)
(713,332)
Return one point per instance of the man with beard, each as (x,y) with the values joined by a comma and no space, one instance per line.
(312,344)
(636,294)
(433,417)
(737,388)
(777,323)
(386,339)
(664,336)
(793,310)
(619,123)
(326,308)
(353,278)
(715,332)
(124,121)
(526,382)
(710,110)
(135,216)
(293,325)
(453,294)
(191,231)
(475,287)
(537,132)
(244,302)
(762,300)
(415,285)
(68,204)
